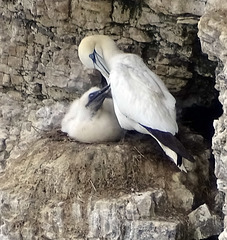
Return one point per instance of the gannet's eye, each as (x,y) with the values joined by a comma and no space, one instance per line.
(91,96)
(92,57)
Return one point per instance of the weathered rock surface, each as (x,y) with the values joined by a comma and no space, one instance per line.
(52,188)
(204,223)
(212,33)
(67,190)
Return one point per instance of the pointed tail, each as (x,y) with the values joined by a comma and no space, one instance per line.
(171,146)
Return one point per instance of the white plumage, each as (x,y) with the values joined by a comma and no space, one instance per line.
(141,100)
(96,122)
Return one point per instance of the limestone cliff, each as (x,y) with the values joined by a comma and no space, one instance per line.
(212,33)
(55,188)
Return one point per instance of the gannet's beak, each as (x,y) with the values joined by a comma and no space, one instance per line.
(99,64)
(95,99)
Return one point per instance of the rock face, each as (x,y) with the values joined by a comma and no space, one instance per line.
(67,190)
(204,223)
(54,188)
(213,32)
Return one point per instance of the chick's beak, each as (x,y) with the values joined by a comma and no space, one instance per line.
(95,99)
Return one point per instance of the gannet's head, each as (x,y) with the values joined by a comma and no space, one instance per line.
(94,98)
(96,51)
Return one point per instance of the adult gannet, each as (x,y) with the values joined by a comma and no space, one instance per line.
(141,100)
(91,118)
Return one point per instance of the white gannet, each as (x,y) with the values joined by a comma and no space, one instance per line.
(91,118)
(141,100)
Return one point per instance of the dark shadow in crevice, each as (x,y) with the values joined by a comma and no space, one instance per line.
(200,118)
(215,237)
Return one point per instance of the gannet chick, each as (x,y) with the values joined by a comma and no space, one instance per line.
(141,100)
(91,118)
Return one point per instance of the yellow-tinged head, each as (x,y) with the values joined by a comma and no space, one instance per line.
(96,51)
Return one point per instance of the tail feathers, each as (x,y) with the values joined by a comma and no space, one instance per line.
(171,146)
(176,158)
(170,141)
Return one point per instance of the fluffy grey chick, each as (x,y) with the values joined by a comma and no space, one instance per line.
(91,118)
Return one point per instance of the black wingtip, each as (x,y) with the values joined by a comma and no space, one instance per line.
(170,141)
(179,160)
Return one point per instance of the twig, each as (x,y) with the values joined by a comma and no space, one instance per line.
(92,185)
(139,153)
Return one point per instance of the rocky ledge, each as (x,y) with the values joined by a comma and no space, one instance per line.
(61,189)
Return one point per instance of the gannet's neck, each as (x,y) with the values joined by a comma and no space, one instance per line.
(107,48)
